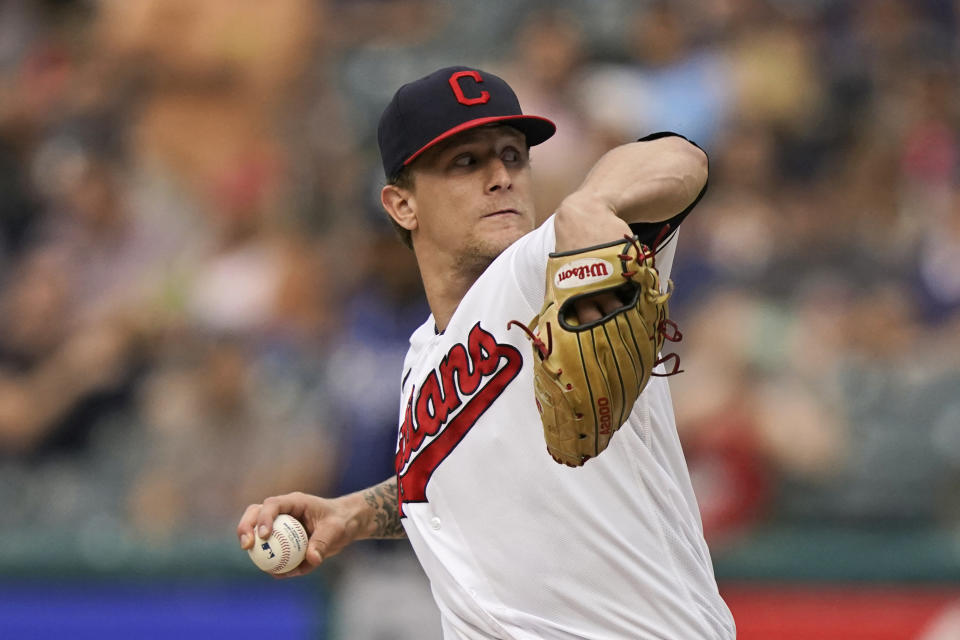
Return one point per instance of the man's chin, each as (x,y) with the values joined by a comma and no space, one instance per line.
(497,243)
(478,253)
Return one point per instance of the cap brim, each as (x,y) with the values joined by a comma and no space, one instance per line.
(535,128)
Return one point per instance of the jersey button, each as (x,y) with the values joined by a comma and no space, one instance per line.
(435,523)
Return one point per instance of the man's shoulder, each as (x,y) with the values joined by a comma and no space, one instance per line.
(543,235)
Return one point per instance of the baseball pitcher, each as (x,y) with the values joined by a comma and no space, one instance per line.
(538,473)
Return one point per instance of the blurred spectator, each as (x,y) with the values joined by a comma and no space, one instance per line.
(70,342)
(939,265)
(382,306)
(235,426)
(547,71)
(380,310)
(670,82)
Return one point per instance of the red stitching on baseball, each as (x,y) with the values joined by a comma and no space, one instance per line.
(284,553)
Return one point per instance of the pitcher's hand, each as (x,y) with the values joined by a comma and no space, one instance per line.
(331,524)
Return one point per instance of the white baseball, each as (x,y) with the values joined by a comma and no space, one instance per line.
(284,549)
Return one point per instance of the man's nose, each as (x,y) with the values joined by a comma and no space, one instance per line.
(500,177)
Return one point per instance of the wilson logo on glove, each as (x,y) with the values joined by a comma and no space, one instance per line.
(581,272)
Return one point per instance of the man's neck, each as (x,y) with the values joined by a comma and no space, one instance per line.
(446,280)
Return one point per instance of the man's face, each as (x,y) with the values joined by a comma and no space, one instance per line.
(472,195)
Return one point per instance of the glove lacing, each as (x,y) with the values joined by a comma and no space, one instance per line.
(543,349)
(666,328)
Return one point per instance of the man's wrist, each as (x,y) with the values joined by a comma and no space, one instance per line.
(377,512)
(588,203)
(357,515)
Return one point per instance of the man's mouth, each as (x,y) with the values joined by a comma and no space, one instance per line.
(502,212)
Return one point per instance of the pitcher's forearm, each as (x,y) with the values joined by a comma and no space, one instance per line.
(380,513)
(647,181)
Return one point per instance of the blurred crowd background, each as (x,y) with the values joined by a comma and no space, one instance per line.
(201,303)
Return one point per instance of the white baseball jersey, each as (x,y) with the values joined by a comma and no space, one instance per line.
(515,545)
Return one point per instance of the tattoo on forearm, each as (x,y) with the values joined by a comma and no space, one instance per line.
(382,499)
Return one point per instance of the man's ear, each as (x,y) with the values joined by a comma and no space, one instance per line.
(397,203)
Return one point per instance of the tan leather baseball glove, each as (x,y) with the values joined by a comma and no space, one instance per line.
(587,377)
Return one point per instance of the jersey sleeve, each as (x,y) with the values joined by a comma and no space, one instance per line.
(648,231)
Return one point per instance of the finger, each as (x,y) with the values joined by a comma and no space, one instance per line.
(587,311)
(310,562)
(608,303)
(330,532)
(317,550)
(301,570)
(246,525)
(294,504)
(271,508)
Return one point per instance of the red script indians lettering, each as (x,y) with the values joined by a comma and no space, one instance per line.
(447,404)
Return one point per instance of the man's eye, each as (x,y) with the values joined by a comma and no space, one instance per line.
(510,155)
(464,160)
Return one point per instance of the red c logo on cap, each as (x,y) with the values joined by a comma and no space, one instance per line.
(458,90)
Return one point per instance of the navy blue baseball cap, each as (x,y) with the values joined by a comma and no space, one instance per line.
(444,103)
